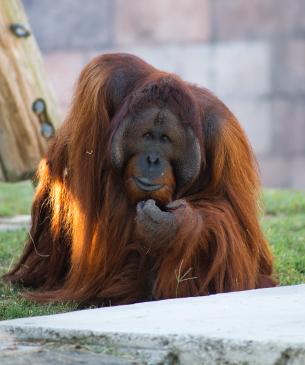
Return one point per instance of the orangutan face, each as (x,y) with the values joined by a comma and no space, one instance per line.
(158,153)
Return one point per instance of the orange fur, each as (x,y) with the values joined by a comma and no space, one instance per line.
(83,245)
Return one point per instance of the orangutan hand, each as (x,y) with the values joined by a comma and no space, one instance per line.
(154,224)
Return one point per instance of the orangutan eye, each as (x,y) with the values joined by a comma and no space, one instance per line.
(165,138)
(148,136)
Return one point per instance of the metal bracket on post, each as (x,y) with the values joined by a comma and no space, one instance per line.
(39,107)
(19,30)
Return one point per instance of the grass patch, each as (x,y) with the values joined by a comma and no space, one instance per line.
(283,224)
(286,235)
(15,198)
(287,202)
(12,305)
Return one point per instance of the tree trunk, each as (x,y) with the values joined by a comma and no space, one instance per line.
(23,133)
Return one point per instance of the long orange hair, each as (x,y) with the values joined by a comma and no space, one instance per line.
(82,245)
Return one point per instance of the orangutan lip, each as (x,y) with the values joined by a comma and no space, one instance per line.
(144,185)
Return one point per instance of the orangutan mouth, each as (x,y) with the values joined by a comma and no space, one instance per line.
(145,184)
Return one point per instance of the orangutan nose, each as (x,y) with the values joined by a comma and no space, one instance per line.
(152,159)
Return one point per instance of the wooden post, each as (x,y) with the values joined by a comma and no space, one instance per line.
(22,81)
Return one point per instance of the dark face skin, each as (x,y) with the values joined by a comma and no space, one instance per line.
(160,151)
(155,137)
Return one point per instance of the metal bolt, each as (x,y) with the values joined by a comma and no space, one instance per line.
(19,30)
(39,107)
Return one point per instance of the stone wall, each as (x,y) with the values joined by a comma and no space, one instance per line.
(250,53)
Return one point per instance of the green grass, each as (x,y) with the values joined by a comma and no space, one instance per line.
(284,226)
(15,198)
(12,305)
(286,235)
(286,202)
(283,223)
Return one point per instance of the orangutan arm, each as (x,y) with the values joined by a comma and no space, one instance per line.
(203,249)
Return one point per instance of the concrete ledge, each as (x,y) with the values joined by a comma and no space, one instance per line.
(253,327)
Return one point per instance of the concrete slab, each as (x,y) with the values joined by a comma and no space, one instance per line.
(252,327)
